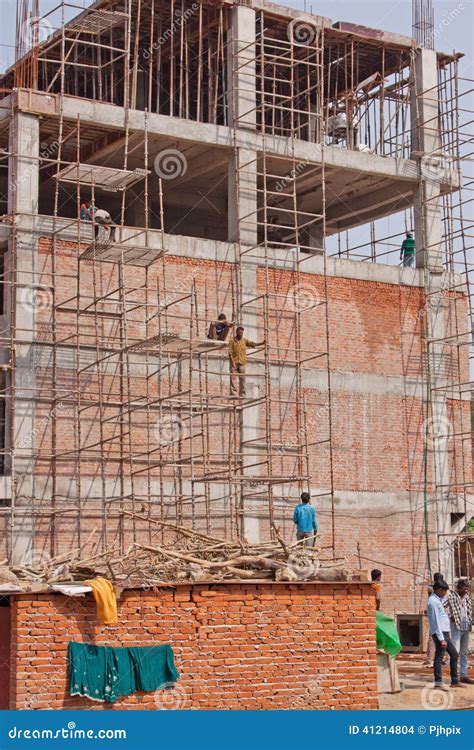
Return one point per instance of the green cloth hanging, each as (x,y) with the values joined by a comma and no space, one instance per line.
(387,634)
(104,673)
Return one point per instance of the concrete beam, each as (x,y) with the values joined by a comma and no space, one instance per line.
(195,247)
(355,211)
(367,34)
(283,11)
(102,115)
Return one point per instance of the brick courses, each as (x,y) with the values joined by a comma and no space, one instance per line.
(378,435)
(237,646)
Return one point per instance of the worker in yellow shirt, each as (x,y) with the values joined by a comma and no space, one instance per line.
(238,359)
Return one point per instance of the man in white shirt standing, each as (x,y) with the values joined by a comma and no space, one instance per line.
(440,631)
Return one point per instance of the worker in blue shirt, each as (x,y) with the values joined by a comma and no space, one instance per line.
(440,632)
(304,517)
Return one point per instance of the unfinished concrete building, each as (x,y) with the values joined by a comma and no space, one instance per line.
(230,142)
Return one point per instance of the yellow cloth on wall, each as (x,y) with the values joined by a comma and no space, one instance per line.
(105,600)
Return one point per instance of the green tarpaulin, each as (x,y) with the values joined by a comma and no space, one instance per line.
(387,635)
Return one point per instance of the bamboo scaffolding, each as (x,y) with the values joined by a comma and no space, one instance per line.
(158,442)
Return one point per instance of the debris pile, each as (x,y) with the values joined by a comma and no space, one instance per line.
(187,556)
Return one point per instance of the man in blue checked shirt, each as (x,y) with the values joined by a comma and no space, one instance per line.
(440,631)
(459,610)
(304,517)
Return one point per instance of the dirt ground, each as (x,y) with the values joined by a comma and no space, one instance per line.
(418,692)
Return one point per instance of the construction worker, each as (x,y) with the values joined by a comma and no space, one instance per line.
(104,219)
(219,329)
(238,346)
(440,631)
(85,211)
(304,517)
(459,609)
(376,576)
(407,250)
(430,648)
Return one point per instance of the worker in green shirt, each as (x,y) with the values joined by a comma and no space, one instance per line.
(407,250)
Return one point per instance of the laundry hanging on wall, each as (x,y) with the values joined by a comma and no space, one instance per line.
(105,599)
(105,673)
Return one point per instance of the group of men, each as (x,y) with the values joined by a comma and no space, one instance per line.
(449,616)
(450,622)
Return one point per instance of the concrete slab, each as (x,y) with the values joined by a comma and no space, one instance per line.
(100,114)
(201,249)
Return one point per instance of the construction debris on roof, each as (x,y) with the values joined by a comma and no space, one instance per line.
(187,556)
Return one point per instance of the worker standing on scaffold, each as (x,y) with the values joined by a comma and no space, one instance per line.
(407,250)
(304,517)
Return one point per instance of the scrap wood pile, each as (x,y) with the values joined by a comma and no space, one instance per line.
(187,555)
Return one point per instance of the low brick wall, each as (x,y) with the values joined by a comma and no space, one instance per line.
(237,646)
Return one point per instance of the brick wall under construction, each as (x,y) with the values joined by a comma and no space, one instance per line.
(236,646)
(378,412)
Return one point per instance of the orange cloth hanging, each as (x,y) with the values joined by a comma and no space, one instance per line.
(105,600)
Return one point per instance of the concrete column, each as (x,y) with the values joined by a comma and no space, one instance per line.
(242,224)
(315,239)
(425,150)
(251,416)
(241,95)
(428,233)
(441,430)
(242,197)
(23,193)
(427,213)
(137,214)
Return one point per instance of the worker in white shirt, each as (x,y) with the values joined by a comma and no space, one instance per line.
(440,631)
(101,217)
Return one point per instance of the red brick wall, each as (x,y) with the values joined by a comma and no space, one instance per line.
(374,329)
(367,319)
(237,646)
(5,646)
(378,432)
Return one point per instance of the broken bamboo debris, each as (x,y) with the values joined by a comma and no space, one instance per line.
(189,556)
